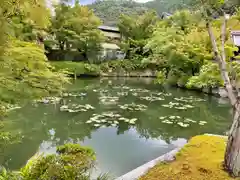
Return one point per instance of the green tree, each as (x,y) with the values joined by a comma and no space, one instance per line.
(76,27)
(221,50)
(24,69)
(109,11)
(135,31)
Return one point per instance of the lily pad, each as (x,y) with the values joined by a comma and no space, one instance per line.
(183,124)
(133,107)
(167,122)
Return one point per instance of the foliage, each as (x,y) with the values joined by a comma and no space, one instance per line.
(25,72)
(136,30)
(7,175)
(24,69)
(125,64)
(71,162)
(109,11)
(76,27)
(168,5)
(161,77)
(209,76)
(181,46)
(77,68)
(200,159)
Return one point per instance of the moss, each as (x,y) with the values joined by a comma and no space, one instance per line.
(200,159)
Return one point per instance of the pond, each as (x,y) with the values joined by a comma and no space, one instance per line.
(128,122)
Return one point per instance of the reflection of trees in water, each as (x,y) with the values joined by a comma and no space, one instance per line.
(153,128)
(35,122)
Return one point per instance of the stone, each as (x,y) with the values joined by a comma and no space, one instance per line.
(206,90)
(215,91)
(222,92)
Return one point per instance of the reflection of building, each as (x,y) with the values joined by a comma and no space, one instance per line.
(111,50)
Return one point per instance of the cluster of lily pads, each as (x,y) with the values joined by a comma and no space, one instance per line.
(108,99)
(177,105)
(133,107)
(109,119)
(100,90)
(74,94)
(161,94)
(189,99)
(76,108)
(183,122)
(139,90)
(49,100)
(122,93)
(152,98)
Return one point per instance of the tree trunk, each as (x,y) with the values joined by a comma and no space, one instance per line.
(232,154)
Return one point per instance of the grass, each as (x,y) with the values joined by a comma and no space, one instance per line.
(200,159)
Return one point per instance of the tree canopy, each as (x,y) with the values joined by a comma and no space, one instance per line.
(76,27)
(24,69)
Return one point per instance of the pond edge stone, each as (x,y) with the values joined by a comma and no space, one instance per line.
(141,170)
(170,156)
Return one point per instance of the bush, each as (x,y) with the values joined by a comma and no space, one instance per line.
(209,77)
(71,162)
(125,64)
(161,77)
(77,68)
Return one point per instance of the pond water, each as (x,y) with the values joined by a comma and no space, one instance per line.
(128,122)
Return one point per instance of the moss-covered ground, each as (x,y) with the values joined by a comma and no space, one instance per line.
(200,159)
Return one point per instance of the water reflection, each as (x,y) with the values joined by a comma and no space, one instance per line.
(125,146)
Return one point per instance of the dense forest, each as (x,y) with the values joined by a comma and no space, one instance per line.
(110,10)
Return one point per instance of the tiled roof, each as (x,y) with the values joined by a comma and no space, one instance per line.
(109,28)
(235,32)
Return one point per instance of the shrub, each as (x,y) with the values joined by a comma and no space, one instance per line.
(72,162)
(77,68)
(209,77)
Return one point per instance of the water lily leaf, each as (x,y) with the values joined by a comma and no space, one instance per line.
(182,124)
(167,122)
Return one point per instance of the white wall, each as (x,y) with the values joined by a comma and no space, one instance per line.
(236,40)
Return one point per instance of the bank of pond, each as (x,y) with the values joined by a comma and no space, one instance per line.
(126,121)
